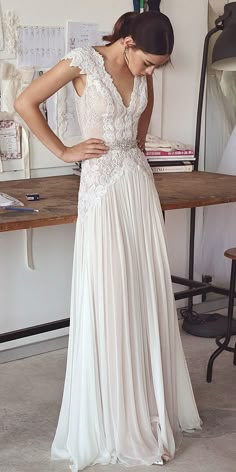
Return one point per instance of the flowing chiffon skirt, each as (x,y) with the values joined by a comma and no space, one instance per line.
(127,392)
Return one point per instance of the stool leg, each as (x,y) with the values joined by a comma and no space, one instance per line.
(229,324)
(235,354)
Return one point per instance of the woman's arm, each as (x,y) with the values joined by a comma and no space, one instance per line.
(145,118)
(27,106)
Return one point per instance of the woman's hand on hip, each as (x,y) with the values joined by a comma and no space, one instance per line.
(89,149)
(141,142)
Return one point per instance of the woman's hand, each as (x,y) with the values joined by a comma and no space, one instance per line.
(88,149)
(144,120)
(141,142)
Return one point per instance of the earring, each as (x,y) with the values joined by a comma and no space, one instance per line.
(125,55)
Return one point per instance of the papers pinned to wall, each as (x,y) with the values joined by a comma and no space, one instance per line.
(40,46)
(100,41)
(10,140)
(82,34)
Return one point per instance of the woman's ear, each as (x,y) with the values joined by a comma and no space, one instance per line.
(128,42)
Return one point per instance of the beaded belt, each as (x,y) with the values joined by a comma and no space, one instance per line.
(122,146)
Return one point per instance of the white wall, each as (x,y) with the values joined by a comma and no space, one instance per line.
(31,297)
(180,97)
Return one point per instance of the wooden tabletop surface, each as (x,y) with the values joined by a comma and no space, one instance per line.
(59,195)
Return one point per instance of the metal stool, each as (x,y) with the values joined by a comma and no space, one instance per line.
(223,346)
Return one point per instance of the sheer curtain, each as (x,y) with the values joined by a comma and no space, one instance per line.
(220,101)
(219,222)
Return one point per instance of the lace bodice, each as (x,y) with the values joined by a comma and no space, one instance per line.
(102,114)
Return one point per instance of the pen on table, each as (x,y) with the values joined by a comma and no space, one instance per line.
(25,209)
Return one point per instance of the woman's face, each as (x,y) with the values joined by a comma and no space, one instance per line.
(142,63)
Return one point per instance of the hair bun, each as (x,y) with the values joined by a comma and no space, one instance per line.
(151,31)
(122,27)
(154,5)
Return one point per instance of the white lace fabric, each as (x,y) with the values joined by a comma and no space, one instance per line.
(8,34)
(102,114)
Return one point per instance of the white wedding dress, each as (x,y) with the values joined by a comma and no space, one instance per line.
(127,392)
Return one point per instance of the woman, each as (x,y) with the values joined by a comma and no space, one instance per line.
(127,390)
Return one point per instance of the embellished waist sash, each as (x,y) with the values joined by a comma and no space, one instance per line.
(122,146)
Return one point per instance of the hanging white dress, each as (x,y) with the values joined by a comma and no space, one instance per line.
(219,227)
(127,391)
(219,221)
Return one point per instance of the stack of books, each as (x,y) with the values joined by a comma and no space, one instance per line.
(171,161)
(161,160)
(78,168)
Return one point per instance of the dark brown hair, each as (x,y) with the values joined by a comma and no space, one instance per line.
(151,31)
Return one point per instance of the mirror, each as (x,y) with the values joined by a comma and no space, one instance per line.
(220,104)
(219,221)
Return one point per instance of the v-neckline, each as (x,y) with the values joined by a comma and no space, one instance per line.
(109,76)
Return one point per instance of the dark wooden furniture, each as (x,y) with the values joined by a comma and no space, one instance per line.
(58,205)
(59,195)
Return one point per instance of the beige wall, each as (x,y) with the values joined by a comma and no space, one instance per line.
(32,297)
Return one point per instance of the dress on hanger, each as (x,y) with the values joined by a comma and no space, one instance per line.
(219,226)
(127,393)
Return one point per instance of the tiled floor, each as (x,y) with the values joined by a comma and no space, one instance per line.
(31,390)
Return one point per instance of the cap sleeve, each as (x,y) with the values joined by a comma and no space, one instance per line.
(79,59)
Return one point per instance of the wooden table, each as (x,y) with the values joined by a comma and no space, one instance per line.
(59,195)
(58,205)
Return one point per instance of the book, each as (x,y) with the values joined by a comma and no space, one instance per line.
(169,163)
(178,168)
(183,152)
(161,166)
(170,158)
(76,171)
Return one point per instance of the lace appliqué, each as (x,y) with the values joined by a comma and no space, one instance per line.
(80,58)
(96,178)
(10,22)
(102,114)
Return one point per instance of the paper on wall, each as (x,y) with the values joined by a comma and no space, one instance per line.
(23,138)
(10,140)
(100,41)
(40,46)
(80,34)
